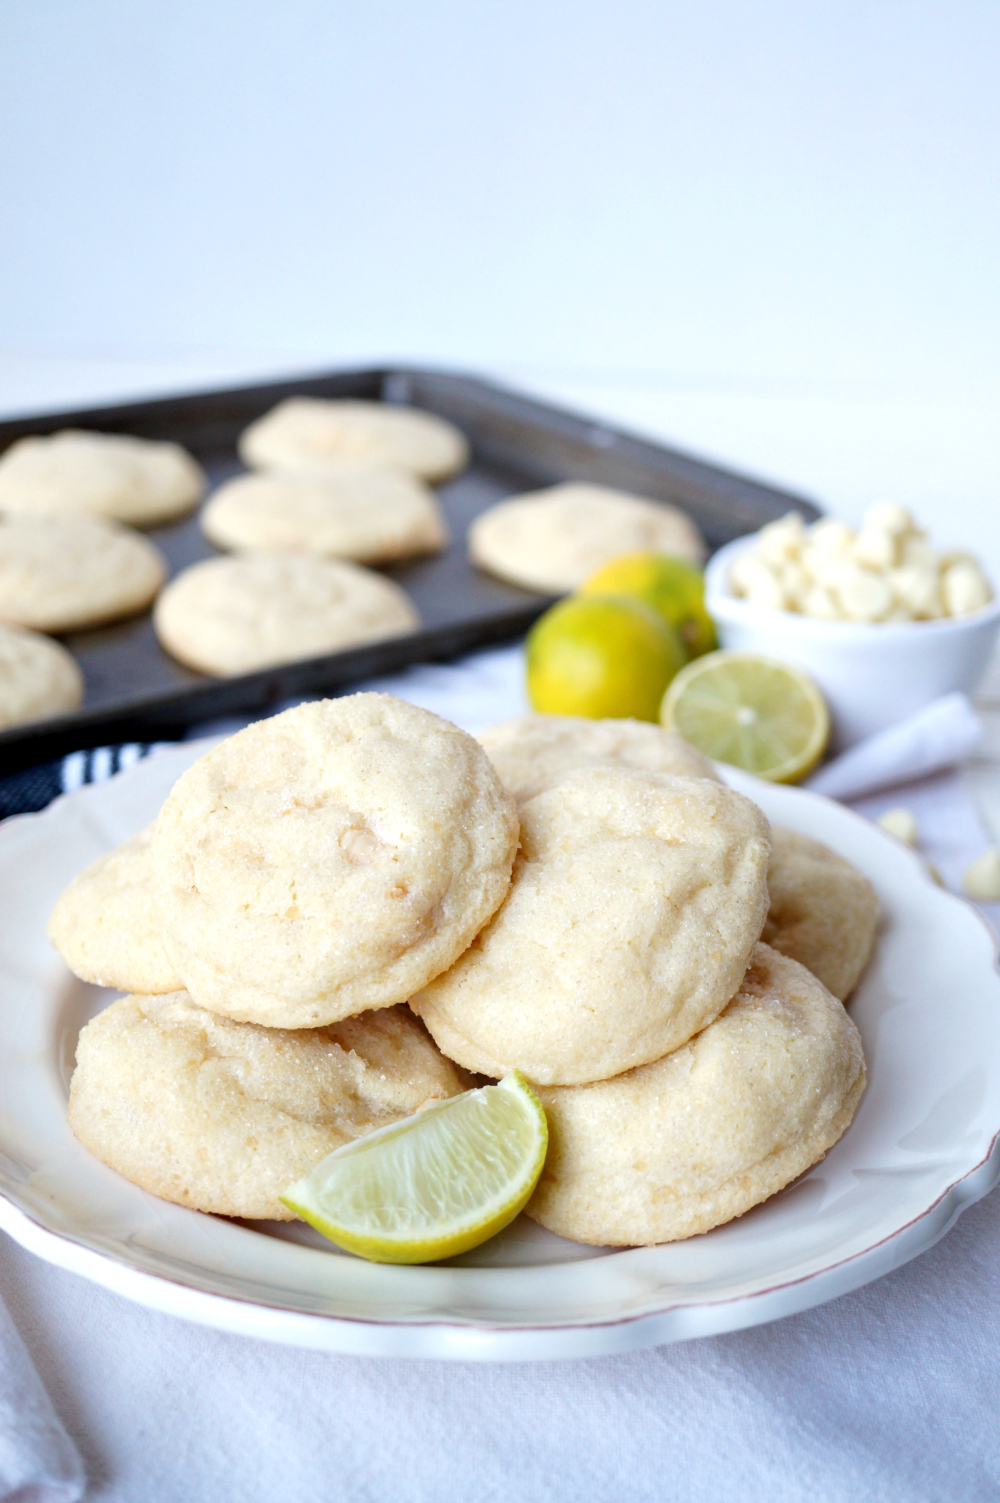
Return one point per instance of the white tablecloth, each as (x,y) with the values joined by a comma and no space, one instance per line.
(888,1394)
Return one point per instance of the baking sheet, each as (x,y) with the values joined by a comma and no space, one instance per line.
(135,691)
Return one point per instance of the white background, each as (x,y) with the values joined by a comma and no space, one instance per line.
(770,232)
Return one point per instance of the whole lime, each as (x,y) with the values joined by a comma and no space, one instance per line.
(670,585)
(602,656)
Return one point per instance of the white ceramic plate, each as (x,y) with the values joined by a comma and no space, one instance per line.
(923,1146)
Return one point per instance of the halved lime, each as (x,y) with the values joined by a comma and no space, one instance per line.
(753,712)
(436,1183)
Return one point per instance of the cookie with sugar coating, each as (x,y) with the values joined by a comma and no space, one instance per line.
(65,573)
(531,752)
(330,860)
(823,912)
(692,1140)
(345,511)
(74,472)
(38,677)
(310,431)
(223,1116)
(553,540)
(106,924)
(233,615)
(636,900)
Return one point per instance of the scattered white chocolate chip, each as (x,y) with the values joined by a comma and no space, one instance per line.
(982,878)
(901,823)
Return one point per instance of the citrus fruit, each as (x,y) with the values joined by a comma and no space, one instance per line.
(602,656)
(753,712)
(434,1184)
(670,585)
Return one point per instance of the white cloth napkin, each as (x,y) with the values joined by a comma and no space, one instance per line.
(940,735)
(38,1461)
(577,1403)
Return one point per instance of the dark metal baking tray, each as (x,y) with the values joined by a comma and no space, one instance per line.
(135,692)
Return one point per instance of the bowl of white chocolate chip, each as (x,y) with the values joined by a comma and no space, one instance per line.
(883,621)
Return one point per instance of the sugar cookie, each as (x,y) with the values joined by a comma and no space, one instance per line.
(64,573)
(553,540)
(531,752)
(346,511)
(823,912)
(223,1116)
(38,678)
(135,480)
(106,924)
(330,860)
(233,615)
(636,900)
(698,1137)
(306,431)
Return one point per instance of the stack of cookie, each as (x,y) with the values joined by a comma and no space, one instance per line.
(69,557)
(584,903)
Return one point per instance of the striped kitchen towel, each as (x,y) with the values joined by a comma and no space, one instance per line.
(30,790)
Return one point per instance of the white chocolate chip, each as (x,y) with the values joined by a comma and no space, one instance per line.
(964,589)
(917,589)
(864,596)
(794,583)
(780,540)
(886,516)
(982,878)
(751,574)
(875,547)
(916,552)
(820,602)
(831,536)
(901,823)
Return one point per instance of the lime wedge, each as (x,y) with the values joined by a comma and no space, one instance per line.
(753,712)
(436,1183)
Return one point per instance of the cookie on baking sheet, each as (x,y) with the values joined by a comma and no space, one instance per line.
(223,1116)
(65,573)
(531,752)
(233,615)
(553,540)
(330,860)
(345,511)
(698,1137)
(823,912)
(74,472)
(38,678)
(106,924)
(309,431)
(636,900)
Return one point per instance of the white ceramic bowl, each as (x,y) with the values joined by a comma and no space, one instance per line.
(872,675)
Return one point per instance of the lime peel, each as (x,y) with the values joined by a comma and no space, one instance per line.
(432,1185)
